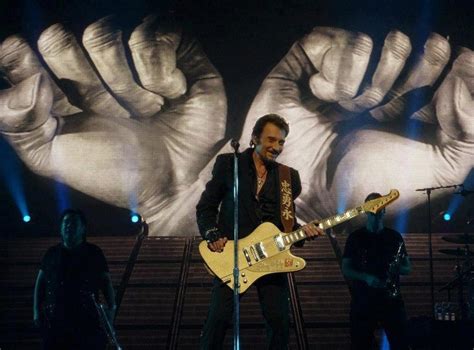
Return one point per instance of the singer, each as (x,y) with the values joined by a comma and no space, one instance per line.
(259,201)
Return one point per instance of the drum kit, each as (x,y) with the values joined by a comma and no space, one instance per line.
(464,271)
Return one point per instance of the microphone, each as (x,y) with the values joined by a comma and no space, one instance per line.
(235,145)
(439,187)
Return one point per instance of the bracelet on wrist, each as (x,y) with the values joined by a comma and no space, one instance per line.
(212,235)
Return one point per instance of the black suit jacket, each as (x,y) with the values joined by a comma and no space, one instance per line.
(216,206)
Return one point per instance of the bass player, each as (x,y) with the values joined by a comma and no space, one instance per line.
(374,257)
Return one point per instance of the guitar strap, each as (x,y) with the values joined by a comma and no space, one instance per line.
(286,198)
(288,220)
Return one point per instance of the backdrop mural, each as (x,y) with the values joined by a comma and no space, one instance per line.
(128,111)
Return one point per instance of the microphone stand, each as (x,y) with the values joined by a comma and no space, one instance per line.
(430,243)
(235,145)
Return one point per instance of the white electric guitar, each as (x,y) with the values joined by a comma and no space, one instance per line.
(267,250)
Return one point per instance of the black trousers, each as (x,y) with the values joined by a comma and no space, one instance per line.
(273,295)
(367,315)
(72,336)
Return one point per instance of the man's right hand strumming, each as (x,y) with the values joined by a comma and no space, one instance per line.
(217,246)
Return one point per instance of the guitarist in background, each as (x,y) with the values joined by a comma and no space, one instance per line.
(371,261)
(70,273)
(259,201)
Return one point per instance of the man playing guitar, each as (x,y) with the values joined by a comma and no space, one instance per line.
(259,201)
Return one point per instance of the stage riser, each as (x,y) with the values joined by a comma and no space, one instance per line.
(146,313)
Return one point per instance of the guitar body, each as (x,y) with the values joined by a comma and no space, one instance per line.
(251,267)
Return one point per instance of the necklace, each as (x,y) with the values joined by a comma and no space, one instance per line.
(261,180)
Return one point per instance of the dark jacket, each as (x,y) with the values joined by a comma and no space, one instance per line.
(219,191)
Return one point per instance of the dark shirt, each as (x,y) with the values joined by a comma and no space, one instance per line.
(72,275)
(216,206)
(372,253)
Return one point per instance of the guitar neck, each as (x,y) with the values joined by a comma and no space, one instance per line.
(299,235)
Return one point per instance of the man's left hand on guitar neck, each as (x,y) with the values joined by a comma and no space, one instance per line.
(312,231)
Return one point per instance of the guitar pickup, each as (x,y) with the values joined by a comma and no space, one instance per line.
(260,250)
(252,250)
(247,257)
(279,242)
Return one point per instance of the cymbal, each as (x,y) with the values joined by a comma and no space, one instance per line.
(457,252)
(459,239)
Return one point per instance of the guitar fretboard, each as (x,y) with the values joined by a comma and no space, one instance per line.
(298,235)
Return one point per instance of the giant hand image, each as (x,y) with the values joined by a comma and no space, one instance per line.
(347,143)
(133,143)
(147,140)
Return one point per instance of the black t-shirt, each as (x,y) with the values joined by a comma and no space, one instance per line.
(72,275)
(372,253)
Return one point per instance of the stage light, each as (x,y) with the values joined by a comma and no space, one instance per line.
(62,196)
(135,218)
(447,216)
(401,221)
(11,176)
(384,345)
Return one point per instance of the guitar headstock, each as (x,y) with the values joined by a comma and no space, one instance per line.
(377,204)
